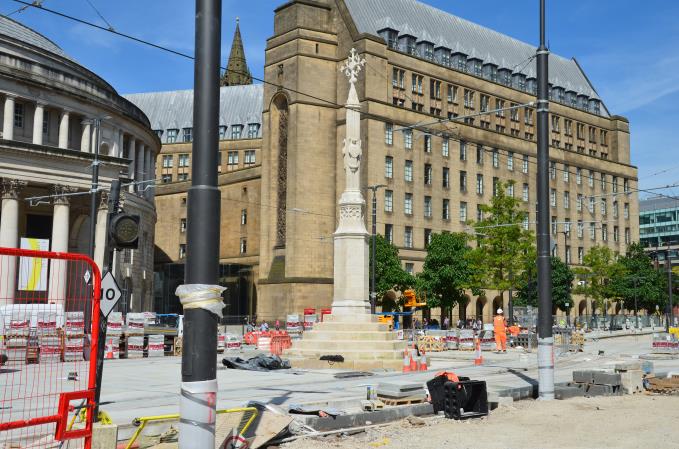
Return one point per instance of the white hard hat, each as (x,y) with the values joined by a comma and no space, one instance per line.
(499,311)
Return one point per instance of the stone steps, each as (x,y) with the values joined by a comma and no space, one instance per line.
(349,335)
(351,327)
(352,354)
(350,345)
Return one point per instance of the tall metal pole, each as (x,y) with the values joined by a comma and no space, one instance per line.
(545,338)
(199,358)
(670,312)
(373,292)
(95,186)
(636,315)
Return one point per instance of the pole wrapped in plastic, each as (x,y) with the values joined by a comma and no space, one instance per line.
(201,296)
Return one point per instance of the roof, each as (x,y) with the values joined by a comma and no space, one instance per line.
(416,18)
(17,31)
(238,105)
(657,203)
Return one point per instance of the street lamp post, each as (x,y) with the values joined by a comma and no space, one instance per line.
(636,315)
(670,314)
(373,293)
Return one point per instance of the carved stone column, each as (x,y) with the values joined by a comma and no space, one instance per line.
(38,118)
(8,118)
(63,129)
(9,237)
(58,275)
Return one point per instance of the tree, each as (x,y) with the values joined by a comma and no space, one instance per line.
(636,278)
(389,275)
(598,270)
(562,285)
(504,247)
(446,271)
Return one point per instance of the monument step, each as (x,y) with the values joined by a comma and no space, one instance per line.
(326,335)
(350,318)
(348,354)
(354,365)
(351,327)
(338,345)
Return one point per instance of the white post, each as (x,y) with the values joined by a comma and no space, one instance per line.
(85,139)
(60,225)
(9,238)
(100,232)
(38,117)
(8,119)
(63,129)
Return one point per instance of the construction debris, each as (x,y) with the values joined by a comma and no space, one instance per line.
(258,363)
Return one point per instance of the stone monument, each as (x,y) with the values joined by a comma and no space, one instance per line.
(351,331)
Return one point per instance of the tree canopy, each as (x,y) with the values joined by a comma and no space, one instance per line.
(598,270)
(562,285)
(389,274)
(636,277)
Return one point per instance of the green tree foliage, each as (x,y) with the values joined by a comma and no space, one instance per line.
(598,271)
(562,285)
(389,274)
(636,276)
(446,271)
(504,247)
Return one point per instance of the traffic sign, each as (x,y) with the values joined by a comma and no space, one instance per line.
(110,294)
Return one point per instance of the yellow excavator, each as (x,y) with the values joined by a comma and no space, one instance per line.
(411,300)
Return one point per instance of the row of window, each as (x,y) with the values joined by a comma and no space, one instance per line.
(580,130)
(243,248)
(183,162)
(187,133)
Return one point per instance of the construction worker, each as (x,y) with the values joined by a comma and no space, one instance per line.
(500,331)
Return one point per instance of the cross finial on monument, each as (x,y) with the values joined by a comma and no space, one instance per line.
(352,66)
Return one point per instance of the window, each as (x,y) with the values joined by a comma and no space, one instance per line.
(499,105)
(479,154)
(566,173)
(253,130)
(603,138)
(249,157)
(182,250)
(580,131)
(408,173)
(232,160)
(615,184)
(243,246)
(183,160)
(496,182)
(435,89)
(528,116)
(510,189)
(445,209)
(510,161)
(625,185)
(552,170)
(408,204)
(580,229)
(603,182)
(566,200)
(591,204)
(388,200)
(479,184)
(604,233)
(410,268)
(469,99)
(427,237)
(485,99)
(463,150)
(590,179)
(389,133)
(552,197)
(578,176)
(444,147)
(526,222)
(525,193)
(627,236)
(236,131)
(172,135)
(159,133)
(555,123)
(479,212)
(182,177)
(616,234)
(581,255)
(592,134)
(578,202)
(167,161)
(514,113)
(496,158)
(417,83)
(554,225)
(222,132)
(166,178)
(427,206)
(445,176)
(463,212)
(408,139)
(592,231)
(452,94)
(243,216)
(18,115)
(427,143)
(388,167)
(568,127)
(568,255)
(615,209)
(188,134)
(603,206)
(389,232)
(524,166)
(463,181)
(182,225)
(408,237)
(398,78)
(427,174)
(626,211)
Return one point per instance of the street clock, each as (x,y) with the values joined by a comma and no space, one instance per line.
(124,231)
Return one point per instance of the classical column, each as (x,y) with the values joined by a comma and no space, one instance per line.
(148,169)
(9,237)
(58,274)
(139,172)
(100,232)
(115,149)
(121,143)
(93,139)
(132,151)
(8,121)
(38,117)
(63,129)
(85,139)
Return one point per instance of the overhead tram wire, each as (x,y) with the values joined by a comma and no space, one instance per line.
(110,27)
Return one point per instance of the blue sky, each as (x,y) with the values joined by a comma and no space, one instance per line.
(628,49)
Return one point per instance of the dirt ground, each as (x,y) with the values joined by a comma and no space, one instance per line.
(605,422)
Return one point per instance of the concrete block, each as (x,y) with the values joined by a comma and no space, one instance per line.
(627,366)
(400,385)
(603,390)
(580,385)
(632,381)
(586,377)
(104,436)
(566,392)
(604,378)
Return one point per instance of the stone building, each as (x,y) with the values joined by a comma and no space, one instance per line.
(446,112)
(47,149)
(659,228)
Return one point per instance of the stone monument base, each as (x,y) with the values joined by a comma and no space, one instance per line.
(363,342)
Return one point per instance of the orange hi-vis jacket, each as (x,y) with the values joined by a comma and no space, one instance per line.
(499,326)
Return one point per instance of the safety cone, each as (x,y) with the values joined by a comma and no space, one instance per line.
(406,361)
(413,359)
(479,358)
(423,362)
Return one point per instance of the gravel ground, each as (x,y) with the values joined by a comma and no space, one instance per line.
(639,421)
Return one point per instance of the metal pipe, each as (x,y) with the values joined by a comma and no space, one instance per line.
(670,312)
(545,338)
(373,292)
(95,187)
(199,367)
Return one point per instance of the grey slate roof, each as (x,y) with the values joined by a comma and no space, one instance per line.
(15,30)
(238,105)
(416,18)
(657,203)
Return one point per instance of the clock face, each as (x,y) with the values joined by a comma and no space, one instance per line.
(126,229)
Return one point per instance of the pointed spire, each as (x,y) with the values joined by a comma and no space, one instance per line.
(237,72)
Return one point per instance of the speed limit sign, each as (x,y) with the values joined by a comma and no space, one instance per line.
(110,294)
